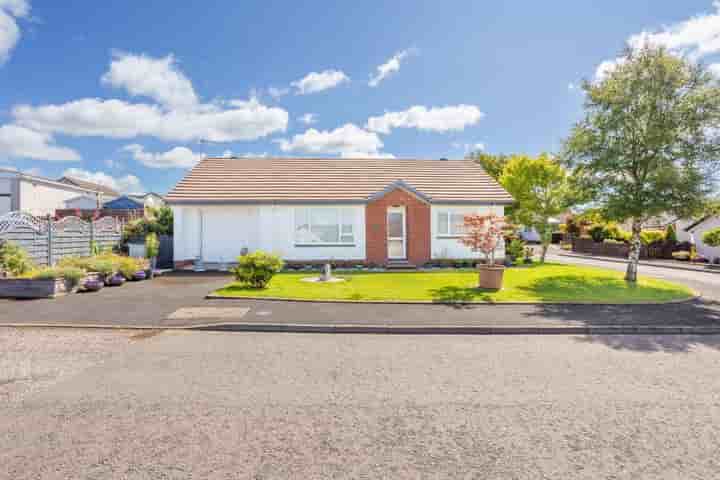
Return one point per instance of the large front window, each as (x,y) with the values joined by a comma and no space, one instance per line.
(450,224)
(324,225)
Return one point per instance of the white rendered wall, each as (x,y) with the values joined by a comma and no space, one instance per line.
(226,230)
(88,202)
(40,199)
(704,250)
(448,246)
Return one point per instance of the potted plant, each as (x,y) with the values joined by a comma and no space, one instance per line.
(483,233)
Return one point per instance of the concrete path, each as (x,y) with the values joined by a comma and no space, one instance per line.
(268,406)
(177,300)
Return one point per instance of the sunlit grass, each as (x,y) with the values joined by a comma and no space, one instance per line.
(536,283)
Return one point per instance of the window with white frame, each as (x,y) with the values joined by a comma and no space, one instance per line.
(450,224)
(324,225)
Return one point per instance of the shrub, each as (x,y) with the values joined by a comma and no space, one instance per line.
(128,267)
(670,233)
(152,245)
(597,232)
(257,269)
(46,274)
(515,249)
(566,246)
(77,262)
(648,237)
(712,237)
(72,275)
(160,223)
(681,255)
(103,267)
(14,259)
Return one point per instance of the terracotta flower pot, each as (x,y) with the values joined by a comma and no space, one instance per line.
(490,276)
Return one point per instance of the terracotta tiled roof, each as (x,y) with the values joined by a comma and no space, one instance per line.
(89,186)
(237,180)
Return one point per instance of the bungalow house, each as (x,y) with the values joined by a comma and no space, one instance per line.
(372,211)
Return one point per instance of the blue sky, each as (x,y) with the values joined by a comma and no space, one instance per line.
(133,93)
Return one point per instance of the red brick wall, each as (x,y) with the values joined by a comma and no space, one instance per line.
(418,227)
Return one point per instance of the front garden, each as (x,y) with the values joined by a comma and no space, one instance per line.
(20,277)
(528,283)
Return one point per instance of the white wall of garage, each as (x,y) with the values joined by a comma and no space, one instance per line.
(218,233)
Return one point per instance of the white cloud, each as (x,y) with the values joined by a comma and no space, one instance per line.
(20,142)
(317,82)
(348,141)
(469,147)
(607,67)
(388,68)
(156,78)
(125,184)
(277,92)
(120,119)
(10,11)
(435,119)
(308,118)
(696,37)
(178,157)
(230,154)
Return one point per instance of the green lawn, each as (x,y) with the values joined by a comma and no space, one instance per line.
(536,283)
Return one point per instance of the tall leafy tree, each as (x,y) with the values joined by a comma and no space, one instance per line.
(493,164)
(541,191)
(648,143)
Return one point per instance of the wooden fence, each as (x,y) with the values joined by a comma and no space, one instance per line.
(47,240)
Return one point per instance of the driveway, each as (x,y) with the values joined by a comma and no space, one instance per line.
(188,404)
(177,300)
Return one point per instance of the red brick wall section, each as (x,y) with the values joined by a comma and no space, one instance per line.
(418,227)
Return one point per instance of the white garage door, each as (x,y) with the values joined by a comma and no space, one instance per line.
(4,204)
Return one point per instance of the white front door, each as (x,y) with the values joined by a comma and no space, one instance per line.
(396,233)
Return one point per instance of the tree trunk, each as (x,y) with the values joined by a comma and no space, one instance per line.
(545,240)
(634,256)
(543,252)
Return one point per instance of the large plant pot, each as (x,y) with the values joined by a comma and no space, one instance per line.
(30,288)
(490,276)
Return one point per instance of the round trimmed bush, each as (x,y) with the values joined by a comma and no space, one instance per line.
(257,269)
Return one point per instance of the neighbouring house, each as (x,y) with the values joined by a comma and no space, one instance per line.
(149,200)
(371,211)
(697,230)
(43,196)
(661,222)
(124,203)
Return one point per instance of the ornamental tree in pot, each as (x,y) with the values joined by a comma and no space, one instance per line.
(483,233)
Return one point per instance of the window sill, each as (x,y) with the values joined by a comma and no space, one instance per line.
(303,245)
